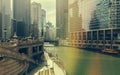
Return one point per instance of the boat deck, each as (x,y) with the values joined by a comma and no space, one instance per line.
(51,67)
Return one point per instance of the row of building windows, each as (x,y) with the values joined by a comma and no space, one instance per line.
(104,15)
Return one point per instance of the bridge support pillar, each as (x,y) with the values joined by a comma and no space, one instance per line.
(37,49)
(30,51)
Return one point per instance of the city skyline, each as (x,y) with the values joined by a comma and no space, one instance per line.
(59,37)
(50,7)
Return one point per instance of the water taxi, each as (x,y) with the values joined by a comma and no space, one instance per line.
(110,51)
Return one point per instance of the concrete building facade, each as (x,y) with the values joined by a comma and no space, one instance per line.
(36,19)
(1,18)
(87,8)
(75,18)
(62,19)
(43,22)
(50,32)
(5,19)
(103,21)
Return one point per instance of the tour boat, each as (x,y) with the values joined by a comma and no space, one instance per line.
(52,66)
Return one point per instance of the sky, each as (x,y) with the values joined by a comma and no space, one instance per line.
(50,7)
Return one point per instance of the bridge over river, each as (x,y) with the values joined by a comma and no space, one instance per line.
(20,57)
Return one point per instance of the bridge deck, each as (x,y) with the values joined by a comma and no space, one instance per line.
(13,62)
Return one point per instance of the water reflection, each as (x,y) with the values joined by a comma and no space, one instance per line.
(81,62)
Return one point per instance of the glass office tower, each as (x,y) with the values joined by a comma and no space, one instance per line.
(106,15)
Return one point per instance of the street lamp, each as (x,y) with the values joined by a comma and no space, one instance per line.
(14,26)
(5,30)
(15,37)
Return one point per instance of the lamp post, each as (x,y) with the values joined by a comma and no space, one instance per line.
(5,30)
(15,37)
(15,26)
(14,30)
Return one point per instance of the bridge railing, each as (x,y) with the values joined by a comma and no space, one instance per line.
(7,44)
(20,43)
(29,42)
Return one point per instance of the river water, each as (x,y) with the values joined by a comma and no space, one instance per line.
(82,62)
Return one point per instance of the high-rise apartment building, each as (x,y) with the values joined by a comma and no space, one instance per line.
(62,18)
(5,19)
(21,13)
(36,19)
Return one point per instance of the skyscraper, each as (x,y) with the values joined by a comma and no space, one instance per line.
(101,16)
(5,19)
(36,19)
(21,13)
(62,18)
(87,9)
(43,21)
(106,15)
(75,18)
(0,19)
(49,34)
(75,22)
